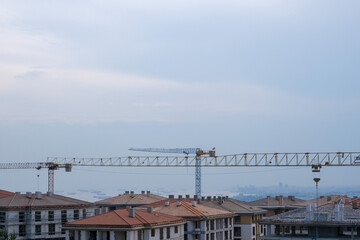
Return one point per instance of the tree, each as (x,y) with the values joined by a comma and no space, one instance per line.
(4,235)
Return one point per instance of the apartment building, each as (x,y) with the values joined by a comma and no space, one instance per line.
(127,224)
(40,216)
(203,223)
(312,222)
(245,220)
(278,204)
(128,199)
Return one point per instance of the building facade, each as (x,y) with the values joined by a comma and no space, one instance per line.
(203,223)
(127,224)
(245,220)
(41,216)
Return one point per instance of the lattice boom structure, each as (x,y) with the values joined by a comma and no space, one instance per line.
(235,160)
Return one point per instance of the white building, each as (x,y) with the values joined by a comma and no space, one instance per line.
(203,223)
(127,224)
(41,216)
(245,221)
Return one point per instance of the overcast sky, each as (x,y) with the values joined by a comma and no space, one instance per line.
(93,78)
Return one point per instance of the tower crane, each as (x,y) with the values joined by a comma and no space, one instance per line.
(198,153)
(314,160)
(51,166)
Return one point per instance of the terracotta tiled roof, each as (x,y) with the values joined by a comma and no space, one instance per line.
(323,201)
(4,193)
(278,201)
(18,200)
(121,219)
(131,199)
(233,205)
(186,209)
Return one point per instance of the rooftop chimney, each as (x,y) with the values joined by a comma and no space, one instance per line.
(127,192)
(167,203)
(132,212)
(149,209)
(142,192)
(226,198)
(28,194)
(267,200)
(187,196)
(49,194)
(195,197)
(178,204)
(202,198)
(194,203)
(148,193)
(171,196)
(208,198)
(38,195)
(180,197)
(214,198)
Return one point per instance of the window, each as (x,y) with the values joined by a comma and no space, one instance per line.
(2,217)
(76,214)
(161,233)
(253,228)
(52,229)
(212,224)
(37,216)
(63,216)
(237,220)
(237,231)
(51,216)
(226,235)
(21,217)
(63,231)
(168,232)
(139,235)
(153,232)
(176,229)
(37,229)
(226,222)
(212,236)
(230,237)
(207,237)
(22,230)
(84,213)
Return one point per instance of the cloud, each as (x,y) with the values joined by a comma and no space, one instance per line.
(90,96)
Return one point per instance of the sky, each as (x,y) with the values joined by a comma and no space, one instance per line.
(94,78)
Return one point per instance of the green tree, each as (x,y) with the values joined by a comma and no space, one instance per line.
(4,235)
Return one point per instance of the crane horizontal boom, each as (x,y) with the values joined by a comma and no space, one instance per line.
(235,160)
